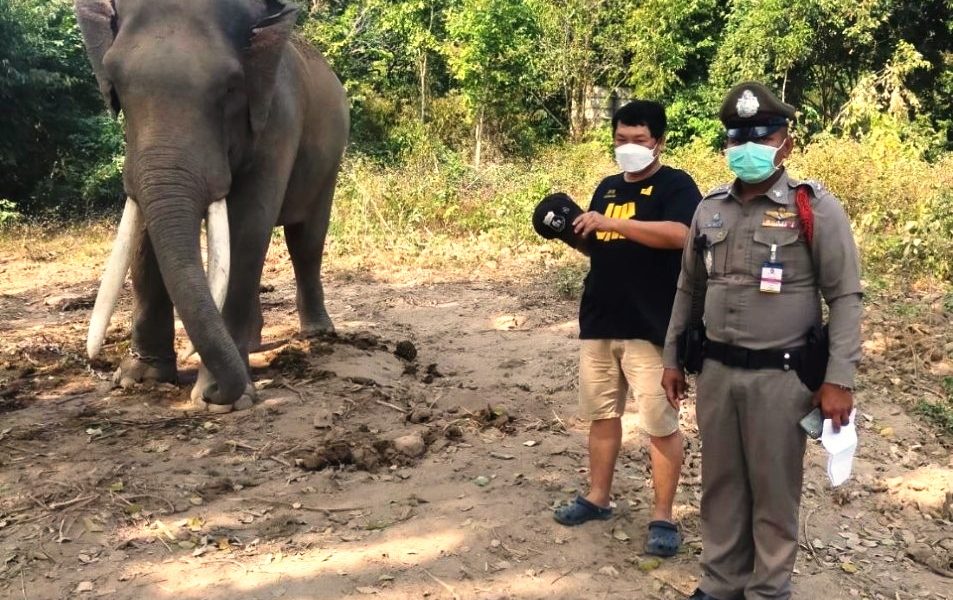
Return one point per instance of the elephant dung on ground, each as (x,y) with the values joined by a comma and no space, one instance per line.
(228,116)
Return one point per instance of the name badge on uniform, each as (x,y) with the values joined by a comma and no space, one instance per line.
(772,273)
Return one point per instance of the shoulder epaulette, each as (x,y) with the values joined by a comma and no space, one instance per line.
(719,192)
(816,186)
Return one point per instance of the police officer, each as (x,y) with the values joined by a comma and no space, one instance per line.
(772,246)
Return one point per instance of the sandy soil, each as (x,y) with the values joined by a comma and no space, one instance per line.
(125,494)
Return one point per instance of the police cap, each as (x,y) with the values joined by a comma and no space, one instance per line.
(553,218)
(751,103)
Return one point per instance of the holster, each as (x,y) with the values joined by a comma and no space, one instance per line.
(690,346)
(812,368)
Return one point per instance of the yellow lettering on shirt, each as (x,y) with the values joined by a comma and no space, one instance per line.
(616,211)
(647,191)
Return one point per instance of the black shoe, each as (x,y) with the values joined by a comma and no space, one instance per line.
(700,595)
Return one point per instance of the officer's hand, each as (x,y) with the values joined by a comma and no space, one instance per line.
(673,382)
(836,404)
(591,221)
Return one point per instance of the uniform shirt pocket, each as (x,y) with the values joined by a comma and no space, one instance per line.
(716,254)
(790,250)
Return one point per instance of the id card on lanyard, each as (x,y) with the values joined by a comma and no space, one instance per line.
(772,273)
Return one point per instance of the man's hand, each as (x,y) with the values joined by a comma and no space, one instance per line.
(591,221)
(673,382)
(835,402)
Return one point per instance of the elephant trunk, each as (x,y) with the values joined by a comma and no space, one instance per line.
(219,259)
(173,213)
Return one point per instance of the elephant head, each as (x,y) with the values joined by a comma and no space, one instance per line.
(194,80)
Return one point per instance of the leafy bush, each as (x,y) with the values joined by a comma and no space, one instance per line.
(8,213)
(901,206)
(58,151)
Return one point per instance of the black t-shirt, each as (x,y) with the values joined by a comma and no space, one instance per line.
(630,288)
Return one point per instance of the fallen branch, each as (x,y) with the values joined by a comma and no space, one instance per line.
(562,575)
(301,394)
(241,445)
(76,500)
(445,585)
(286,504)
(807,539)
(939,571)
(279,460)
(38,501)
(172,509)
(389,405)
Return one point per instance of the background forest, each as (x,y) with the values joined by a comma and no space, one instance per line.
(465,112)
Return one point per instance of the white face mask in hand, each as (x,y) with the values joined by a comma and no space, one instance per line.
(633,158)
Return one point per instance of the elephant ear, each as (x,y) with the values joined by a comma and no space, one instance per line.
(97,21)
(262,60)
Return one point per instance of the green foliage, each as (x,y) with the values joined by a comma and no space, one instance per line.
(690,118)
(434,83)
(670,44)
(901,206)
(430,196)
(490,53)
(941,411)
(57,154)
(8,213)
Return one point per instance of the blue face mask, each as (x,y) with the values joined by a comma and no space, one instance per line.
(752,163)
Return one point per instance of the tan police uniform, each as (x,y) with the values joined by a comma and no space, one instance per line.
(752,446)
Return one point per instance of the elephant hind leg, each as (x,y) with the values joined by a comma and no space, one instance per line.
(305,242)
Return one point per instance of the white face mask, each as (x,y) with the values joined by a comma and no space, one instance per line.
(633,158)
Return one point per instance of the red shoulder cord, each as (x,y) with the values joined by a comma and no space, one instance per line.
(805,212)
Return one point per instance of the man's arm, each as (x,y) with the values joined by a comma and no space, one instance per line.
(673,376)
(682,308)
(665,235)
(838,276)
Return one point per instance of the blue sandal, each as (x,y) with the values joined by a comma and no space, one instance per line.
(579,511)
(663,540)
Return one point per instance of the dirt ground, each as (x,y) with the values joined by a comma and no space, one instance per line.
(426,469)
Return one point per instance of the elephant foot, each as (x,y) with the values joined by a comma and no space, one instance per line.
(137,369)
(317,327)
(205,391)
(247,400)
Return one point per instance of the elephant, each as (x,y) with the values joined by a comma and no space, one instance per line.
(229,117)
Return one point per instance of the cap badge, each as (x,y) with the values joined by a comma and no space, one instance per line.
(554,221)
(747,105)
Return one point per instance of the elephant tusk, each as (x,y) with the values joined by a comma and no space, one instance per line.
(219,257)
(218,252)
(128,240)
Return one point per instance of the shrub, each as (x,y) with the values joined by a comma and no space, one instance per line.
(901,206)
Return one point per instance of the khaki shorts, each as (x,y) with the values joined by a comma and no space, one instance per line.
(608,369)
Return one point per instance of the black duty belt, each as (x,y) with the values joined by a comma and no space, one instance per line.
(744,358)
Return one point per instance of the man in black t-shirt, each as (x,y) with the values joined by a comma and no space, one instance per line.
(634,232)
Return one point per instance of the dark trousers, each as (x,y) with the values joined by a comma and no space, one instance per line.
(752,468)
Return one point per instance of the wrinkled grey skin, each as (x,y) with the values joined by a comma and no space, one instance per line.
(219,102)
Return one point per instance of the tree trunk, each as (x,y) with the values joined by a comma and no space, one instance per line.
(578,123)
(479,139)
(423,88)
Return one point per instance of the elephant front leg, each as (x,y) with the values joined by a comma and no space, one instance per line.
(152,353)
(242,310)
